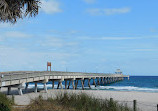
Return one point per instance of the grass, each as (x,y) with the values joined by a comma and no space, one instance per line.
(6,103)
(74,102)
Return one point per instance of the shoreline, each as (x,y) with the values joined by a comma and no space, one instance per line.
(146,101)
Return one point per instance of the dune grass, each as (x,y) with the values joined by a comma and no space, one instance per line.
(74,102)
(5,103)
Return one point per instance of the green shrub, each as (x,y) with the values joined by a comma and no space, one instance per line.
(84,102)
(5,103)
(75,102)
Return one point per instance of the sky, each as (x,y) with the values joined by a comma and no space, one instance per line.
(84,36)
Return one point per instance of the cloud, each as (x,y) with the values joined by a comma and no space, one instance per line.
(16,34)
(144,50)
(57,42)
(1,39)
(108,38)
(117,38)
(153,30)
(112,11)
(116,11)
(94,11)
(70,32)
(50,6)
(89,1)
(5,25)
(22,59)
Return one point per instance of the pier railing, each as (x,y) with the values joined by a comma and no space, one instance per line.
(23,75)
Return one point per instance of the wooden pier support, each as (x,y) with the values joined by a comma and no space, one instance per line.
(26,87)
(20,86)
(102,81)
(98,81)
(20,91)
(82,82)
(9,90)
(76,83)
(53,84)
(65,84)
(60,84)
(94,83)
(45,87)
(35,87)
(73,84)
(111,80)
(89,83)
(69,84)
(107,79)
(105,82)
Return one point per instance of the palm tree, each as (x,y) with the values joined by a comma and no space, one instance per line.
(12,10)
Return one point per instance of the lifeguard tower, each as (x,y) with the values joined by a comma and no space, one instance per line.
(48,65)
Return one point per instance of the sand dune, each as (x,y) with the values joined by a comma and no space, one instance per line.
(146,101)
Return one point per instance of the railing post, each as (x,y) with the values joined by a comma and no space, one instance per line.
(134,105)
(111,99)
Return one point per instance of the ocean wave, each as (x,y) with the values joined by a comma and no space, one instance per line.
(42,86)
(126,88)
(117,88)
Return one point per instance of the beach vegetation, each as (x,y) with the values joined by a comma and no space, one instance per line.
(74,102)
(5,103)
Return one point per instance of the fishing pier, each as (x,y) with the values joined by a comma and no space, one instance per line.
(21,79)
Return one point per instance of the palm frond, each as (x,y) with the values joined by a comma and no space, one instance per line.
(11,10)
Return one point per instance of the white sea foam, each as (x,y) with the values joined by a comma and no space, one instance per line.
(118,88)
(42,86)
(126,88)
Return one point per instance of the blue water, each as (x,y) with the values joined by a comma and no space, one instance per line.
(135,83)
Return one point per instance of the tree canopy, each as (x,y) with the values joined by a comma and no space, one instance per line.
(12,10)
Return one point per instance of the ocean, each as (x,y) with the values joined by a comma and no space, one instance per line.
(135,83)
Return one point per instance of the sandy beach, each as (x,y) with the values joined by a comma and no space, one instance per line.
(145,101)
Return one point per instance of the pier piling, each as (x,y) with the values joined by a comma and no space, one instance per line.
(35,87)
(52,84)
(69,84)
(65,84)
(45,87)
(9,90)
(26,87)
(98,81)
(73,84)
(82,82)
(94,82)
(89,83)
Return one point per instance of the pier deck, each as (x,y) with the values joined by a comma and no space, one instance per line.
(20,78)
